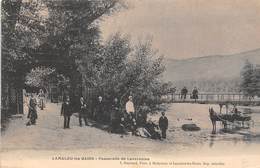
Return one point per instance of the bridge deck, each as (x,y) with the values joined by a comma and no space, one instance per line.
(212,98)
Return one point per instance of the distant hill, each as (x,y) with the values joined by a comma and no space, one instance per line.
(209,67)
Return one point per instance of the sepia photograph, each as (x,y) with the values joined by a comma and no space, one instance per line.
(130,83)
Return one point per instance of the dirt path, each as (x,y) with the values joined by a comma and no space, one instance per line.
(48,133)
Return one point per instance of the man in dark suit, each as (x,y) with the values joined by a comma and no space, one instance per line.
(82,112)
(114,116)
(99,110)
(66,111)
(184,92)
(163,124)
(195,93)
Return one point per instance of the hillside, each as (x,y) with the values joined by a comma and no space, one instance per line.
(209,67)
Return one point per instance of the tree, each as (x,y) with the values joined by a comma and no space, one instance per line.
(38,77)
(256,80)
(145,69)
(11,56)
(251,79)
(56,34)
(129,69)
(247,83)
(122,68)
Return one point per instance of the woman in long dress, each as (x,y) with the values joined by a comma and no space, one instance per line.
(32,114)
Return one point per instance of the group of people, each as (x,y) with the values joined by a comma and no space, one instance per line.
(137,122)
(194,94)
(121,120)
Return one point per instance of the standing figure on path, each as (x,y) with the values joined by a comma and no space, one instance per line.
(114,117)
(41,98)
(83,112)
(184,92)
(98,116)
(130,109)
(32,114)
(195,94)
(163,124)
(66,111)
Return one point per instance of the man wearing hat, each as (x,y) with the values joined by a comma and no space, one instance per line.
(83,111)
(66,111)
(99,109)
(163,124)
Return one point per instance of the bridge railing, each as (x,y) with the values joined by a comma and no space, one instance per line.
(210,97)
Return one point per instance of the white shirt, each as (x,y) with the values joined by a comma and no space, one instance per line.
(129,107)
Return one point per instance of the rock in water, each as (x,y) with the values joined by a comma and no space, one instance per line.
(190,127)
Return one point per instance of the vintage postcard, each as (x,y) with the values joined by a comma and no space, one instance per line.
(130,83)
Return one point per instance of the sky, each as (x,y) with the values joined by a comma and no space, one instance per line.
(190,28)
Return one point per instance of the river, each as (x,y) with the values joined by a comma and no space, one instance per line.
(232,141)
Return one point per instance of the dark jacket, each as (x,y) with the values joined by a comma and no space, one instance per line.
(184,91)
(83,108)
(33,103)
(115,111)
(32,108)
(100,107)
(195,94)
(163,122)
(66,109)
